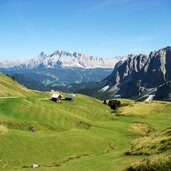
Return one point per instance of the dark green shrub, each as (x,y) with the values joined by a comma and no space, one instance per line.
(114,104)
(104,102)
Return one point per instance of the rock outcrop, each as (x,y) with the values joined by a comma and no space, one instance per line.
(139,74)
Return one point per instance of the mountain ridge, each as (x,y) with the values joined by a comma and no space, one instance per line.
(63,59)
(139,73)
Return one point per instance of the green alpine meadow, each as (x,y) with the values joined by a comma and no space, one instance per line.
(82,134)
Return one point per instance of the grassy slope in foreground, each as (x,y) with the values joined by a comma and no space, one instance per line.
(78,135)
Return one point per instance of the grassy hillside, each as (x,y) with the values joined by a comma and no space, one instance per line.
(10,88)
(157,146)
(80,135)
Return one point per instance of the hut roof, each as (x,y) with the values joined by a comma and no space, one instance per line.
(56,95)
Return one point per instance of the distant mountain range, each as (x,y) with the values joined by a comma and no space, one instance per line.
(133,76)
(138,75)
(59,69)
(63,59)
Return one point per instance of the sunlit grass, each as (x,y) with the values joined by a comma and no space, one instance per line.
(83,134)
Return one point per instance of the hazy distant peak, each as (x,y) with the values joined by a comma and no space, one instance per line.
(64,59)
(42,55)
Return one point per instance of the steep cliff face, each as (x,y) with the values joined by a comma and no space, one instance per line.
(124,75)
(158,67)
(124,71)
(164,92)
(139,73)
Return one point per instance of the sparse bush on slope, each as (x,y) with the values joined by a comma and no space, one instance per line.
(154,144)
(159,144)
(160,164)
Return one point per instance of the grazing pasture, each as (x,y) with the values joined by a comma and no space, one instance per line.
(83,134)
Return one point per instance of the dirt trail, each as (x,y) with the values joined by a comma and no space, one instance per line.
(111,148)
(9,97)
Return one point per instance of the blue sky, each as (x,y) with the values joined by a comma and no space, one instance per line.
(103,28)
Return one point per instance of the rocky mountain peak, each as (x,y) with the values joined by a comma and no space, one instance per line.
(42,55)
(138,73)
(64,59)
